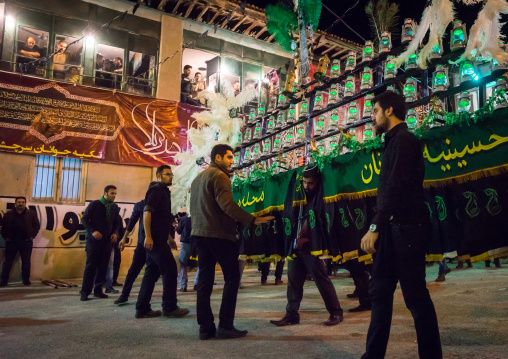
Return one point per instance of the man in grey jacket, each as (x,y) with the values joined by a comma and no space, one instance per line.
(214,216)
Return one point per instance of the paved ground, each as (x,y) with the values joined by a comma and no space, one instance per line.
(41,322)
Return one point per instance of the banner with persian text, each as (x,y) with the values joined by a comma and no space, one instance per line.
(39,116)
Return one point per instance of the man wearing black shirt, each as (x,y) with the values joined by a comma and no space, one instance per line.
(157,221)
(399,234)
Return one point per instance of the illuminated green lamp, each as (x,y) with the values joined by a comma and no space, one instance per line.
(368,51)
(412,119)
(464,102)
(261,108)
(304,107)
(334,94)
(318,101)
(390,68)
(502,100)
(334,142)
(247,155)
(467,71)
(247,135)
(385,45)
(349,87)
(257,151)
(270,124)
(321,146)
(367,106)
(437,50)
(300,132)
(368,132)
(273,103)
(267,146)
(335,69)
(366,82)
(458,36)
(351,61)
(277,143)
(411,62)
(410,88)
(288,139)
(352,113)
(440,78)
(281,100)
(319,127)
(408,30)
(352,132)
(291,114)
(257,130)
(280,120)
(252,115)
(334,121)
(390,88)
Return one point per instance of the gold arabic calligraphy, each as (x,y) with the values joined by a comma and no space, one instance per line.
(373,167)
(51,151)
(246,203)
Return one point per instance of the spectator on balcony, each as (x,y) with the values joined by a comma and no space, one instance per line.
(28,52)
(197,85)
(186,87)
(30,49)
(59,60)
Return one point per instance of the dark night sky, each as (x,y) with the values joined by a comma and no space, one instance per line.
(357,19)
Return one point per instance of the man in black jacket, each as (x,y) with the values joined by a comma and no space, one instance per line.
(19,228)
(399,234)
(184,230)
(102,227)
(158,222)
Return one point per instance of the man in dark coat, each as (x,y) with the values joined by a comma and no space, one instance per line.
(101,221)
(19,228)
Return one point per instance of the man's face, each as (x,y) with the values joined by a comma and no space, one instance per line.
(110,195)
(226,161)
(236,86)
(74,71)
(380,119)
(62,46)
(20,204)
(30,42)
(197,77)
(309,185)
(188,71)
(166,177)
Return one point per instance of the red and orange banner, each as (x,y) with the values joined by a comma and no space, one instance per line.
(39,116)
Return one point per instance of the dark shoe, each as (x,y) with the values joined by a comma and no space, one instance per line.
(285,321)
(149,314)
(448,270)
(263,281)
(121,300)
(83,298)
(116,284)
(209,334)
(469,264)
(112,290)
(231,333)
(3,283)
(183,290)
(333,320)
(176,313)
(195,288)
(353,295)
(487,264)
(100,295)
(26,282)
(497,263)
(278,281)
(241,286)
(360,308)
(460,265)
(440,278)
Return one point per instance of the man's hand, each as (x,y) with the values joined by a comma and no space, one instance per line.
(368,242)
(172,243)
(97,235)
(149,243)
(114,238)
(121,244)
(262,220)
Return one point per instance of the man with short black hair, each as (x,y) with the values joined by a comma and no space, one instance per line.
(214,215)
(399,234)
(186,87)
(19,228)
(157,222)
(101,221)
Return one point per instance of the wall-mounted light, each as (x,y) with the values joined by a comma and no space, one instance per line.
(334,94)
(410,88)
(411,62)
(291,117)
(440,78)
(467,71)
(458,36)
(319,127)
(368,51)
(366,82)
(9,20)
(385,45)
(368,132)
(352,113)
(351,61)
(335,69)
(390,68)
(318,101)
(412,119)
(367,106)
(464,102)
(437,50)
(349,87)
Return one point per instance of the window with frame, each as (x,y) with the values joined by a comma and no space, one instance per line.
(58,179)
(32,45)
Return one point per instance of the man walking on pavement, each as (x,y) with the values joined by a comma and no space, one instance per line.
(101,221)
(157,222)
(214,215)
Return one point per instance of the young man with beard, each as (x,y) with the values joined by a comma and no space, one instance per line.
(157,221)
(305,263)
(214,215)
(399,234)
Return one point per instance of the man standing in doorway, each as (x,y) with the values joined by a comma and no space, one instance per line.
(157,221)
(399,234)
(214,215)
(19,228)
(101,221)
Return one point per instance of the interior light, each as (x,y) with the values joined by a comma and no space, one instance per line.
(9,20)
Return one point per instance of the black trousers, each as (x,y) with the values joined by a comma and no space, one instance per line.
(298,269)
(265,269)
(225,252)
(401,257)
(138,262)
(159,262)
(12,248)
(116,262)
(361,279)
(98,252)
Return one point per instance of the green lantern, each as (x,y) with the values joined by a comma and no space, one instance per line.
(366,82)
(411,62)
(319,127)
(247,137)
(334,142)
(351,61)
(501,88)
(367,106)
(318,101)
(280,120)
(281,100)
(291,114)
(440,78)
(352,113)
(267,145)
(410,89)
(258,130)
(321,146)
(464,102)
(289,138)
(385,45)
(458,36)
(257,151)
(270,124)
(408,30)
(334,94)
(277,143)
(304,107)
(334,121)
(467,71)
(335,69)
(300,132)
(261,108)
(368,51)
(367,132)
(349,87)
(390,68)
(412,119)
(437,50)
(247,155)
(252,115)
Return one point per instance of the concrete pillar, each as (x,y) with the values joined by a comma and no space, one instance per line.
(170,71)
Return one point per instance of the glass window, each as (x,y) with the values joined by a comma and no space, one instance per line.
(141,73)
(70,179)
(44,178)
(109,66)
(67,59)
(32,45)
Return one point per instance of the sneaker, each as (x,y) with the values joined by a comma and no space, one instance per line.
(112,290)
(100,295)
(121,300)
(176,313)
(231,333)
(285,321)
(333,320)
(116,284)
(149,314)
